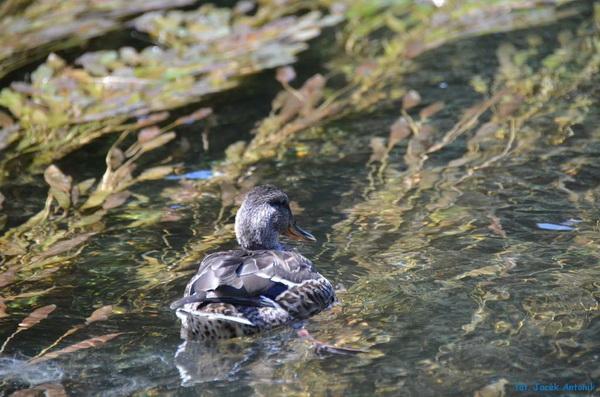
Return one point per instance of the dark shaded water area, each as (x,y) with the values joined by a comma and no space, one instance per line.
(470,281)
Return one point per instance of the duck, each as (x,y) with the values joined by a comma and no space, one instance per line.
(259,286)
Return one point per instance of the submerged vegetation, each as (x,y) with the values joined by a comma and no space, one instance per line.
(201,52)
(434,173)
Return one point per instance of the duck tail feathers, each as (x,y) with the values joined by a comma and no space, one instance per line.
(197,297)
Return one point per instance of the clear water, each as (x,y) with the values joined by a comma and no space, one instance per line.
(445,302)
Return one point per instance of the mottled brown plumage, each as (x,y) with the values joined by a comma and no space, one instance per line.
(260,286)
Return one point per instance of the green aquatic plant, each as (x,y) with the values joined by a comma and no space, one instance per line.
(64,108)
(74,212)
(42,313)
(32,29)
(520,96)
(31,320)
(500,131)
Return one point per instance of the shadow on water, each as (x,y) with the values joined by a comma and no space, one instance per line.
(486,281)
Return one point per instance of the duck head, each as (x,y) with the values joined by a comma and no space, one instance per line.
(265,214)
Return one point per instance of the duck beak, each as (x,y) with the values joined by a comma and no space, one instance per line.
(296,233)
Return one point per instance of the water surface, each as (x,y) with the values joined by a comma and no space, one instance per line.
(471,280)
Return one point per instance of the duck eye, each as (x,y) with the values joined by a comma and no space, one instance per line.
(280,203)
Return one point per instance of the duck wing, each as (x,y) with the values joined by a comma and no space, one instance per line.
(249,278)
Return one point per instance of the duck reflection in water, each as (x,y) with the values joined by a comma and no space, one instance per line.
(208,361)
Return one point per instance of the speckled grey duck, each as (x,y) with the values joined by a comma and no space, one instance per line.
(260,286)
